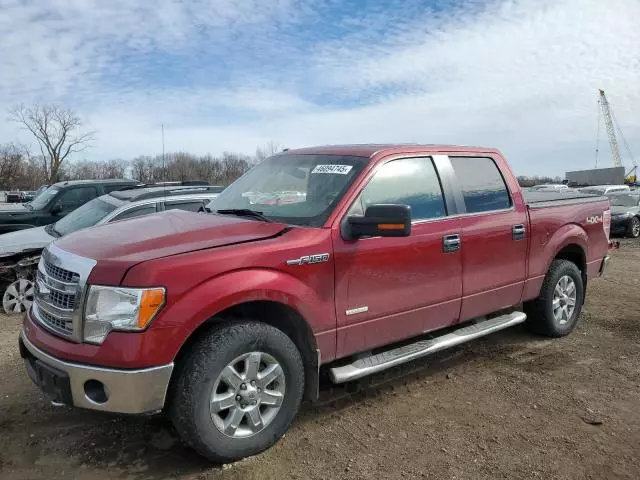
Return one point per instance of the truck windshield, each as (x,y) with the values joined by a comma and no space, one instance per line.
(44,198)
(83,217)
(294,189)
(624,200)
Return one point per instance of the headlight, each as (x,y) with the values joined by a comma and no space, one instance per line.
(622,215)
(117,308)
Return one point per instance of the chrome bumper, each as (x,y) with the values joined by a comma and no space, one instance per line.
(124,391)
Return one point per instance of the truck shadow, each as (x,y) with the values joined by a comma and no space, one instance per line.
(148,447)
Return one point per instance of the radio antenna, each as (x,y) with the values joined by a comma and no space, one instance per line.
(164,168)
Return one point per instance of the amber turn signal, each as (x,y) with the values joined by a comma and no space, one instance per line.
(150,304)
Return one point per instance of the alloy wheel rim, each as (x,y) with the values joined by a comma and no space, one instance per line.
(18,296)
(247,395)
(564,300)
(635,228)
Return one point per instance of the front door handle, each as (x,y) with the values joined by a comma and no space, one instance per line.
(451,243)
(518,232)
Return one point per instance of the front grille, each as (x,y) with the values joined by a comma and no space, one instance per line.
(60,325)
(55,296)
(60,274)
(65,301)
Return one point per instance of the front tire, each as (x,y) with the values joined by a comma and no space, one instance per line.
(237,390)
(555,312)
(633,231)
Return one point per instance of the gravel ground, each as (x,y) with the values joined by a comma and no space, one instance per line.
(511,405)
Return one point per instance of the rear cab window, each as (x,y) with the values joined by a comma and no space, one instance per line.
(482,184)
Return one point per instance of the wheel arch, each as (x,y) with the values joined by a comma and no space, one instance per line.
(278,315)
(575,253)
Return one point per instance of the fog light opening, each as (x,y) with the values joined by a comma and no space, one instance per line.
(96,391)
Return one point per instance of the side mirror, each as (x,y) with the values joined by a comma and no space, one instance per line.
(381,221)
(56,209)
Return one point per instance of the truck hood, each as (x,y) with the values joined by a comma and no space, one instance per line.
(129,242)
(23,240)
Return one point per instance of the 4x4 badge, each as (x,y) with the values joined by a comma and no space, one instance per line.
(308,259)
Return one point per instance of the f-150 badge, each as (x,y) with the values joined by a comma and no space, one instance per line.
(308,259)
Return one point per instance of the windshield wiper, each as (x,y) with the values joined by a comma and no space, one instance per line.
(243,212)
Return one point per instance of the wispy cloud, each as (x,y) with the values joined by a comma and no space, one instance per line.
(517,74)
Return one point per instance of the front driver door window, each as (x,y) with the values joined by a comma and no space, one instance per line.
(389,289)
(74,198)
(135,212)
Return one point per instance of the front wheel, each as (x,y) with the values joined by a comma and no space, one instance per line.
(634,228)
(237,390)
(555,312)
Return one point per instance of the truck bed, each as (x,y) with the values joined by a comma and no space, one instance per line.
(537,199)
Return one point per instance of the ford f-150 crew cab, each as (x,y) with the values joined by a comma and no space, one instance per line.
(376,255)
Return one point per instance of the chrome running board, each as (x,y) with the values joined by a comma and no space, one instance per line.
(396,356)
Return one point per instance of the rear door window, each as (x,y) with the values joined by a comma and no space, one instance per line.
(482,184)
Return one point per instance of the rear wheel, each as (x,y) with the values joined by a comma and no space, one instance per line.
(633,230)
(555,312)
(237,391)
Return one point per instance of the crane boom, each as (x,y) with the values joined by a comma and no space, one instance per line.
(611,132)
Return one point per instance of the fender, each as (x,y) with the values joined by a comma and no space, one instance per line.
(185,314)
(570,234)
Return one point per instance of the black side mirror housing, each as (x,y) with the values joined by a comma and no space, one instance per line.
(381,221)
(56,209)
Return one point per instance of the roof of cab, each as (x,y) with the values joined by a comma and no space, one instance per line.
(371,149)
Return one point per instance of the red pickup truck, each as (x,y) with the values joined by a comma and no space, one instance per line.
(225,320)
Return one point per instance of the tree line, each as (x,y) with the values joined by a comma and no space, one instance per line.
(20,171)
(59,134)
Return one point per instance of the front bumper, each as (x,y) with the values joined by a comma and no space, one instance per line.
(87,386)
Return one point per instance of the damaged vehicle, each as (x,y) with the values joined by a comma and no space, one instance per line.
(20,251)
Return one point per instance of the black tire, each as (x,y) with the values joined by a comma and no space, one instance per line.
(633,230)
(540,318)
(197,373)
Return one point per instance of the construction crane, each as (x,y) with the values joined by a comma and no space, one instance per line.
(611,124)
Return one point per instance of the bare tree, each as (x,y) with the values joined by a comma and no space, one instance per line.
(11,163)
(267,150)
(57,131)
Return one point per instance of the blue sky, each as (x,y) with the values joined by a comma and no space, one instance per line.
(233,75)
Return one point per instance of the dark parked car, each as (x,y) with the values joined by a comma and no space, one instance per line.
(55,202)
(13,197)
(625,214)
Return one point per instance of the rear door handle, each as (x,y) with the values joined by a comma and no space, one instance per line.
(518,232)
(451,243)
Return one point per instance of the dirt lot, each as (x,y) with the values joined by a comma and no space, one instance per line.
(509,406)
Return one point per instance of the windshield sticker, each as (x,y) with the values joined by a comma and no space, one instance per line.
(335,169)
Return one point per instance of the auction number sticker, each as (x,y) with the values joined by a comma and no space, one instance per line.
(335,169)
